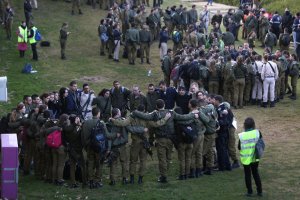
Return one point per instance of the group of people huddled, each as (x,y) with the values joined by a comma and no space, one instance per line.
(193,122)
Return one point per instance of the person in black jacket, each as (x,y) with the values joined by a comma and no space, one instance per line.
(225,120)
(27,11)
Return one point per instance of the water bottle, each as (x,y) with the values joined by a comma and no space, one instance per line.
(149,72)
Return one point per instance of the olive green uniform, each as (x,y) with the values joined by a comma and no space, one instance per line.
(164,136)
(132,40)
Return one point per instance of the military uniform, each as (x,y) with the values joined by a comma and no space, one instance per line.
(167,68)
(263,26)
(63,41)
(164,136)
(137,148)
(145,42)
(94,166)
(249,82)
(104,104)
(76,3)
(294,73)
(270,40)
(228,77)
(240,72)
(132,40)
(72,136)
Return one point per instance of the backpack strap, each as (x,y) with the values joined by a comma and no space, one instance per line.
(272,68)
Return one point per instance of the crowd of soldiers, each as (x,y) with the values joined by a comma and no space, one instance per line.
(202,65)
(152,122)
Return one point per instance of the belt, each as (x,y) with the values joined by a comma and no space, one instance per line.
(269,76)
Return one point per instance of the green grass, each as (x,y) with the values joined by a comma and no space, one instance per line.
(280,127)
(270,5)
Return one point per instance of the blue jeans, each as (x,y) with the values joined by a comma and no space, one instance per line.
(209,2)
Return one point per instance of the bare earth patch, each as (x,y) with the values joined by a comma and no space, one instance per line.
(93,79)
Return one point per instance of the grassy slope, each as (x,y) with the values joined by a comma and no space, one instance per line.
(280,127)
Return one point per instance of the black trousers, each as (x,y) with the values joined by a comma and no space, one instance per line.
(34,51)
(252,168)
(222,151)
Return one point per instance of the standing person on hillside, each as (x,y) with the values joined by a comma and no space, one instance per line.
(72,100)
(295,27)
(193,15)
(76,3)
(8,21)
(284,40)
(163,42)
(269,74)
(102,33)
(270,40)
(145,39)
(275,23)
(294,74)
(237,18)
(22,39)
(32,41)
(117,41)
(63,36)
(27,11)
(120,97)
(132,40)
(297,41)
(103,102)
(86,98)
(287,21)
(247,142)
(263,26)
(205,19)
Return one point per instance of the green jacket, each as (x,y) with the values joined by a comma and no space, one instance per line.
(135,101)
(132,36)
(240,71)
(135,122)
(167,130)
(87,127)
(167,65)
(104,104)
(151,101)
(72,136)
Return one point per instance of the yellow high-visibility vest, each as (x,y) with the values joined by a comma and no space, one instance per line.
(24,33)
(248,141)
(32,39)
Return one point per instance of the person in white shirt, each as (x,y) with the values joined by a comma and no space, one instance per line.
(269,74)
(258,84)
(86,99)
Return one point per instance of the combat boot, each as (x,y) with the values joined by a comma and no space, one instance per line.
(162,179)
(80,13)
(142,60)
(140,180)
(272,104)
(148,62)
(259,102)
(124,181)
(198,173)
(91,184)
(192,173)
(264,104)
(208,171)
(131,179)
(253,102)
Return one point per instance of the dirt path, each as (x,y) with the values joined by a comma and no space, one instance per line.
(213,9)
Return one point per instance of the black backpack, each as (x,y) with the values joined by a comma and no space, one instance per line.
(285,40)
(194,71)
(189,132)
(98,138)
